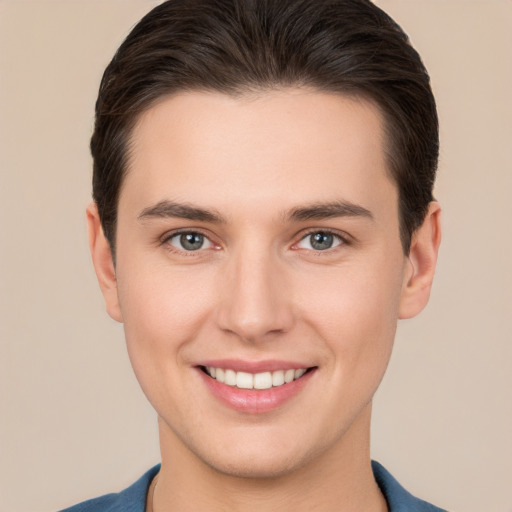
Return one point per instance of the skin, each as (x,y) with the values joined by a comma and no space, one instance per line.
(258,290)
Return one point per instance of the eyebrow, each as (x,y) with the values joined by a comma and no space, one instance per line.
(315,211)
(319,211)
(170,209)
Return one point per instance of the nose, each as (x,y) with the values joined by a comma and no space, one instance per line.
(254,297)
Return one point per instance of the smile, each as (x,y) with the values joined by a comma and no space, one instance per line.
(255,387)
(246,380)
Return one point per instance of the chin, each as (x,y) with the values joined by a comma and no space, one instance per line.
(270,458)
(257,468)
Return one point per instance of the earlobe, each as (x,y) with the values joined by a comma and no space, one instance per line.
(103,263)
(421,266)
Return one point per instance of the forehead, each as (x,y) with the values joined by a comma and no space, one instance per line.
(290,146)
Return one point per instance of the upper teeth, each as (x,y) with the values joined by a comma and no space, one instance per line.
(246,380)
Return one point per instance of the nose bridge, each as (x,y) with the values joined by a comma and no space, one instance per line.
(254,298)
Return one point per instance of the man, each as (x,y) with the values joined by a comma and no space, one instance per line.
(262,217)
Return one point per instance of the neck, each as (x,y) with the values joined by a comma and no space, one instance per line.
(341,479)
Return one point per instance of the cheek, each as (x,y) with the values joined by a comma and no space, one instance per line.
(356,312)
(161,298)
(163,313)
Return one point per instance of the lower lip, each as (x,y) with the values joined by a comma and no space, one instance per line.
(255,401)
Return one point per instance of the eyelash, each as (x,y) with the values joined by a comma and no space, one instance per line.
(343,240)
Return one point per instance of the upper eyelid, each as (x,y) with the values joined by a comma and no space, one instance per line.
(180,231)
(342,235)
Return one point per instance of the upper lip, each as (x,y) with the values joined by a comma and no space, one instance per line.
(240,365)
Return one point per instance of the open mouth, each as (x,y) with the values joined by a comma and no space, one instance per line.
(263,380)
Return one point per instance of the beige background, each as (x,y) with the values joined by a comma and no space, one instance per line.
(73,422)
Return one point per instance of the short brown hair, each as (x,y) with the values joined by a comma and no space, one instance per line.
(235,46)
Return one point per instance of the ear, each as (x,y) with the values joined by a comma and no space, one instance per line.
(422,264)
(103,263)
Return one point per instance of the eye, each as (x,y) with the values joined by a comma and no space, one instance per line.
(189,241)
(320,241)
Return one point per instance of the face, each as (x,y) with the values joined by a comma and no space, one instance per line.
(259,275)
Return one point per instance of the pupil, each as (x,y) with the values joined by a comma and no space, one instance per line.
(320,241)
(191,241)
